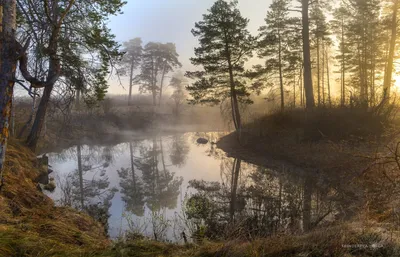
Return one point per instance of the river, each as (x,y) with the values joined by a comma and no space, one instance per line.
(162,185)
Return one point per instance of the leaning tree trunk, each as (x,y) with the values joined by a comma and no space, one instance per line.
(8,64)
(54,71)
(308,85)
(389,69)
(37,126)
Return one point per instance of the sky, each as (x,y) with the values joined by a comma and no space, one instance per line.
(172,21)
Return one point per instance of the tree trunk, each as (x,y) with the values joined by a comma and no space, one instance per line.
(389,69)
(343,89)
(78,99)
(308,86)
(301,87)
(323,74)
(318,74)
(234,101)
(131,83)
(8,63)
(327,77)
(37,126)
(161,86)
(54,71)
(12,117)
(294,89)
(281,74)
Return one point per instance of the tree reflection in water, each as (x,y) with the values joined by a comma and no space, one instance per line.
(87,188)
(255,201)
(247,200)
(156,188)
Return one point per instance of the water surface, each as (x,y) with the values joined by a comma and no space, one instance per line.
(149,185)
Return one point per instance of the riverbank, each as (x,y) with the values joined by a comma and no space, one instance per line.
(30,224)
(323,140)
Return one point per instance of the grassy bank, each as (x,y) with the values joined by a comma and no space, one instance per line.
(30,224)
(325,140)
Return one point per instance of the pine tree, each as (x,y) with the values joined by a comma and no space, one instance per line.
(158,60)
(225,45)
(278,44)
(131,60)
(319,35)
(365,40)
(340,28)
(307,77)
(389,67)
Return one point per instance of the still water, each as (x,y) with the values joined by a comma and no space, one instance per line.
(146,185)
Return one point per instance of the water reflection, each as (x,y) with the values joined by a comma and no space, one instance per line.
(87,188)
(168,186)
(256,201)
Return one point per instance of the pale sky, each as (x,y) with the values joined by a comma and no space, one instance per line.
(172,21)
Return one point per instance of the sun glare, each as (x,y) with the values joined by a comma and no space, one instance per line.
(397,82)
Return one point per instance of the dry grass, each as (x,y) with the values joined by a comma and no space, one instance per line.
(30,224)
(325,140)
(340,240)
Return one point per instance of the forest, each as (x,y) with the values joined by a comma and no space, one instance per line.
(266,130)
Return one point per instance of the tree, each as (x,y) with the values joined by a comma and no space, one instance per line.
(225,45)
(65,46)
(8,64)
(158,60)
(320,33)
(389,69)
(179,95)
(131,60)
(278,43)
(307,77)
(340,28)
(366,38)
